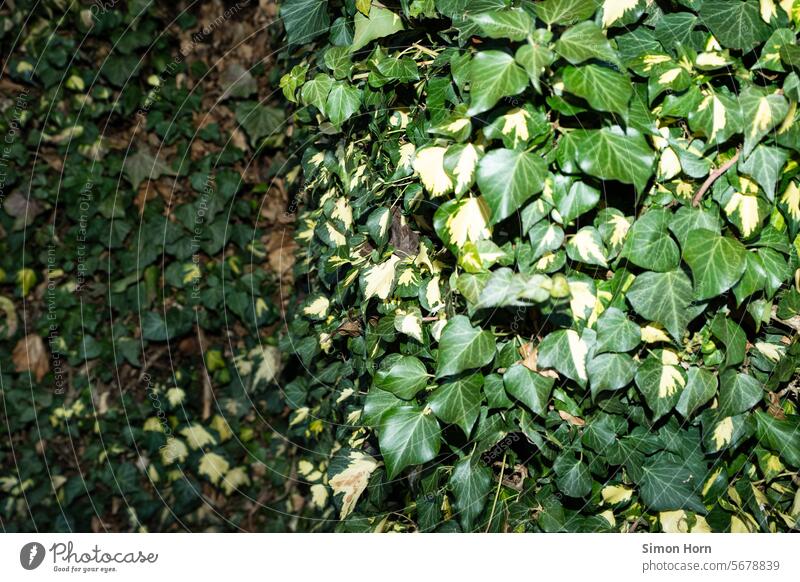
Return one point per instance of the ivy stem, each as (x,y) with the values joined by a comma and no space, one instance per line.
(496,493)
(713,176)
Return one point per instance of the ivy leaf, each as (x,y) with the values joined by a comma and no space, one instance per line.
(463,347)
(565,11)
(734,23)
(572,476)
(408,436)
(765,165)
(304,20)
(661,381)
(761,113)
(738,393)
(664,298)
(649,244)
(604,89)
(585,41)
(315,92)
(610,372)
(717,262)
(507,178)
(687,219)
(780,436)
(534,57)
(471,482)
(612,154)
(380,22)
(258,120)
(530,388)
(565,351)
(514,24)
(579,199)
(493,75)
(143,166)
(667,484)
(458,401)
(587,247)
(617,333)
(729,333)
(343,101)
(701,387)
(403,376)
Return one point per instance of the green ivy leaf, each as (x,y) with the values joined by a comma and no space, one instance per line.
(734,23)
(738,393)
(380,23)
(780,436)
(471,482)
(572,476)
(565,11)
(530,388)
(458,401)
(664,298)
(494,75)
(661,381)
(408,436)
(610,372)
(507,178)
(463,347)
(667,484)
(343,101)
(717,262)
(585,41)
(649,244)
(612,154)
(617,333)
(403,376)
(304,20)
(701,387)
(513,24)
(604,89)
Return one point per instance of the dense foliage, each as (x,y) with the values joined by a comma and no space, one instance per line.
(140,248)
(550,251)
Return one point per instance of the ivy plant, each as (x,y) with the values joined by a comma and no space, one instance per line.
(550,262)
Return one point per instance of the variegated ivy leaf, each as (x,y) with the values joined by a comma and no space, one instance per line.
(348,476)
(723,432)
(587,247)
(616,12)
(409,323)
(565,351)
(378,281)
(765,165)
(460,221)
(429,164)
(661,381)
(461,162)
(663,297)
(761,112)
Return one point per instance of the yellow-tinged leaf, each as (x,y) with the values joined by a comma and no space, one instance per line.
(197,436)
(235,478)
(654,333)
(469,223)
(786,6)
(429,164)
(738,526)
(343,211)
(791,198)
(587,246)
(669,76)
(770,351)
(175,396)
(465,168)
(318,307)
(515,123)
(337,238)
(578,351)
(747,206)
(379,279)
(621,227)
(711,60)
(671,376)
(614,494)
(319,495)
(409,324)
(174,451)
(763,118)
(581,300)
(353,480)
(718,115)
(433,295)
(613,10)
(407,151)
(669,165)
(608,515)
(768,10)
(723,432)
(678,522)
(213,466)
